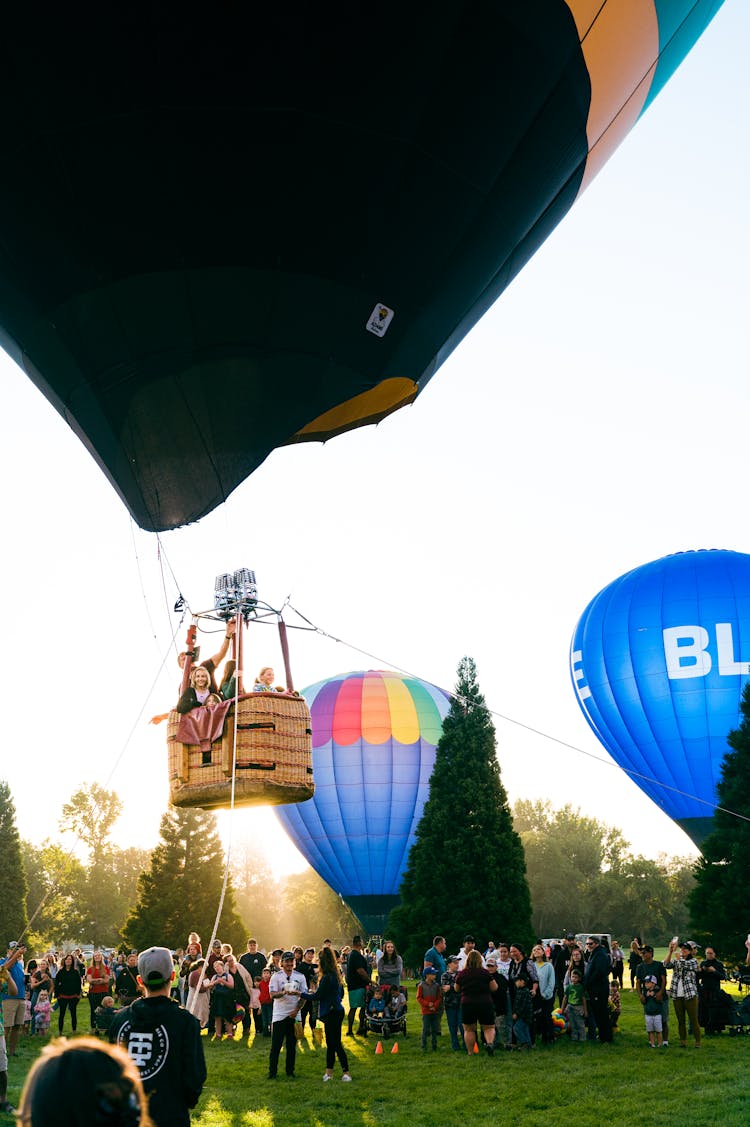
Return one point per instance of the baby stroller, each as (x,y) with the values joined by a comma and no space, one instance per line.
(394,1018)
(714,1009)
(739,1016)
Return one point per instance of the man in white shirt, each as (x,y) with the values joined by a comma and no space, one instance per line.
(288,989)
(463,954)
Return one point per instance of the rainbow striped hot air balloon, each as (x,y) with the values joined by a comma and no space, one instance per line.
(374,740)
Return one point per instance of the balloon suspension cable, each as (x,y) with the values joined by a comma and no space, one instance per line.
(526,727)
(133,527)
(67,856)
(204,969)
(181,604)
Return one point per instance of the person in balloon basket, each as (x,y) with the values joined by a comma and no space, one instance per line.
(596,981)
(357,980)
(164,1041)
(288,990)
(209,665)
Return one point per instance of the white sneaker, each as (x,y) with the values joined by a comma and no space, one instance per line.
(326,1077)
(346,1078)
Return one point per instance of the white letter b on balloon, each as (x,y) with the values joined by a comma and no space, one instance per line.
(686,652)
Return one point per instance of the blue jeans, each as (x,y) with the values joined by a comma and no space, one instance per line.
(452,1016)
(522,1031)
(430,1028)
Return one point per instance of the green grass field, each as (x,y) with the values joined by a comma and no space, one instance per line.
(591,1085)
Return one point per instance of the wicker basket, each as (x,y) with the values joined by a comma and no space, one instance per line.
(274,757)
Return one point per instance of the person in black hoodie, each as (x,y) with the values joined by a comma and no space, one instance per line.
(164,1041)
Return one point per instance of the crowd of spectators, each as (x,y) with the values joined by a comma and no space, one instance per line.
(500,998)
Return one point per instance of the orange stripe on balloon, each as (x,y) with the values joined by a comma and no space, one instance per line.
(620,44)
(376,711)
(404,718)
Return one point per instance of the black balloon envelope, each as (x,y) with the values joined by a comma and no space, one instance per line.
(228,228)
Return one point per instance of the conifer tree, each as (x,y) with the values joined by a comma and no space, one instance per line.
(181,889)
(13,887)
(719,904)
(466,871)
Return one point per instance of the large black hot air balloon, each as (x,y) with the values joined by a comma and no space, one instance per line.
(227,229)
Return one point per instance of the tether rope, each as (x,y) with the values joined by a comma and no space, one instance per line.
(238,673)
(527,727)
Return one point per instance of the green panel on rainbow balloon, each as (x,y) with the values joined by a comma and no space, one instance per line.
(225,231)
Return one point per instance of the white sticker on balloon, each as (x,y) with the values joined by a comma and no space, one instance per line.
(380,319)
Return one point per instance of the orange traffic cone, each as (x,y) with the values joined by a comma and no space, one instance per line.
(476,1047)
(395,1047)
(379,1048)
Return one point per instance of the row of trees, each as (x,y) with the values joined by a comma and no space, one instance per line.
(583,877)
(137,897)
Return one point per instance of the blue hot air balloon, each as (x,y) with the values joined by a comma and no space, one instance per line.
(659,660)
(374,739)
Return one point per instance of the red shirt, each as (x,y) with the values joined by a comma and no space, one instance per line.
(98,977)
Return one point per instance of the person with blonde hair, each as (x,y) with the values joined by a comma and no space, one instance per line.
(264,681)
(82,1083)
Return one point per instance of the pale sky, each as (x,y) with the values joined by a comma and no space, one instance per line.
(594,420)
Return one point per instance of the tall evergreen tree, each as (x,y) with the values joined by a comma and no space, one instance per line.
(719,902)
(466,871)
(180,890)
(13,887)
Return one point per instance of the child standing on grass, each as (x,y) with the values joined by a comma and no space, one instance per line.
(42,1014)
(523,1014)
(266,1002)
(574,1005)
(452,1003)
(221,986)
(652,1012)
(254,1005)
(615,1008)
(430,998)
